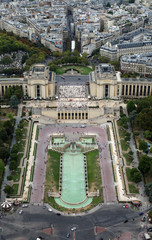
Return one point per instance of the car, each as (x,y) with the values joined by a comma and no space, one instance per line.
(50,209)
(44,206)
(58,214)
(68,235)
(126,206)
(24,205)
(123,206)
(20,212)
(73,228)
(142,213)
(126,221)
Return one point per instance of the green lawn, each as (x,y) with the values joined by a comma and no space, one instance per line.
(93,167)
(81,69)
(128,174)
(121,132)
(133,189)
(21,145)
(124,145)
(52,172)
(19,155)
(26,123)
(16,175)
(128,158)
(53,203)
(24,133)
(35,149)
(32,173)
(37,133)
(15,189)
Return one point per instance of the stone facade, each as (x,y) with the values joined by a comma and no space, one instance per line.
(38,83)
(105,83)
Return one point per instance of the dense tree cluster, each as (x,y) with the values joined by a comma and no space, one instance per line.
(135,175)
(14,157)
(6,131)
(148,190)
(16,90)
(67,57)
(140,114)
(11,43)
(143,108)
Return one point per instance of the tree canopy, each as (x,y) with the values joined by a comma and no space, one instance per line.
(16,90)
(135,175)
(13,101)
(144,164)
(131,106)
(143,145)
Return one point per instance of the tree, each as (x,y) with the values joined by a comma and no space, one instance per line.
(6,60)
(24,58)
(135,175)
(147,134)
(144,103)
(15,148)
(3,135)
(148,190)
(2,167)
(143,145)
(13,165)
(108,5)
(131,106)
(144,164)
(13,156)
(18,92)
(9,92)
(123,122)
(13,102)
(9,178)
(132,115)
(14,56)
(18,134)
(8,189)
(116,64)
(150,216)
(21,124)
(4,153)
(103,59)
(8,127)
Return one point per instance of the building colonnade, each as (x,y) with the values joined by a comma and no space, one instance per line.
(134,90)
(72,115)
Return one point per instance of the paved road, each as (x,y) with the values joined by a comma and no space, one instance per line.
(40,166)
(72,79)
(34,221)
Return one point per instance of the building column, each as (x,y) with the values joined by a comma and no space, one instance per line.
(132,89)
(147,90)
(124,89)
(143,90)
(135,90)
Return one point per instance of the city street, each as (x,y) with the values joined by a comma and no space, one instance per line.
(106,223)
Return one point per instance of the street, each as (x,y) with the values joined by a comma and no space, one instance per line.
(107,223)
